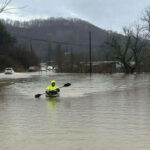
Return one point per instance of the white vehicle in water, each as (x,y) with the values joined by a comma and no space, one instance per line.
(9,71)
(49,68)
(43,69)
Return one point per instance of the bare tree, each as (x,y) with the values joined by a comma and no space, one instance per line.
(131,49)
(139,46)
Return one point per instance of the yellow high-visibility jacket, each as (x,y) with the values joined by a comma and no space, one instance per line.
(52,88)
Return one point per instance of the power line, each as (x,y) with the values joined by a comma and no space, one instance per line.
(57,42)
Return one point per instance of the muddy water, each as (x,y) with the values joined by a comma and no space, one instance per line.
(101,112)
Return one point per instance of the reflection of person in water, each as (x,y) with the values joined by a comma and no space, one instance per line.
(52,113)
(52,105)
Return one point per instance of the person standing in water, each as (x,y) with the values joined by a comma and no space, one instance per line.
(52,89)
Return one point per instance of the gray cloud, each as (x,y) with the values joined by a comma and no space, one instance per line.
(107,14)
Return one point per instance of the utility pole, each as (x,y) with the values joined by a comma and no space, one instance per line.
(90,52)
(31,49)
(49,54)
(71,60)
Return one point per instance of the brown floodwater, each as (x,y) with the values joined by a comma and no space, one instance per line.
(101,112)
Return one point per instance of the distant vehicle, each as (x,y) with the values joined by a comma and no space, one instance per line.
(9,71)
(49,68)
(32,69)
(43,69)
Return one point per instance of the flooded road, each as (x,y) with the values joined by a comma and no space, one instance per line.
(101,112)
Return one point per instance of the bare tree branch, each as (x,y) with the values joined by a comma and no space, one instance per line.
(146,19)
(4,8)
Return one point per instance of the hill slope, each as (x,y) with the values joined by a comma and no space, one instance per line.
(61,30)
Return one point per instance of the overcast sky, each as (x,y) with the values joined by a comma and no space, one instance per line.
(106,14)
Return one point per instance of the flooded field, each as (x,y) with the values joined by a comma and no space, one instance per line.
(101,112)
